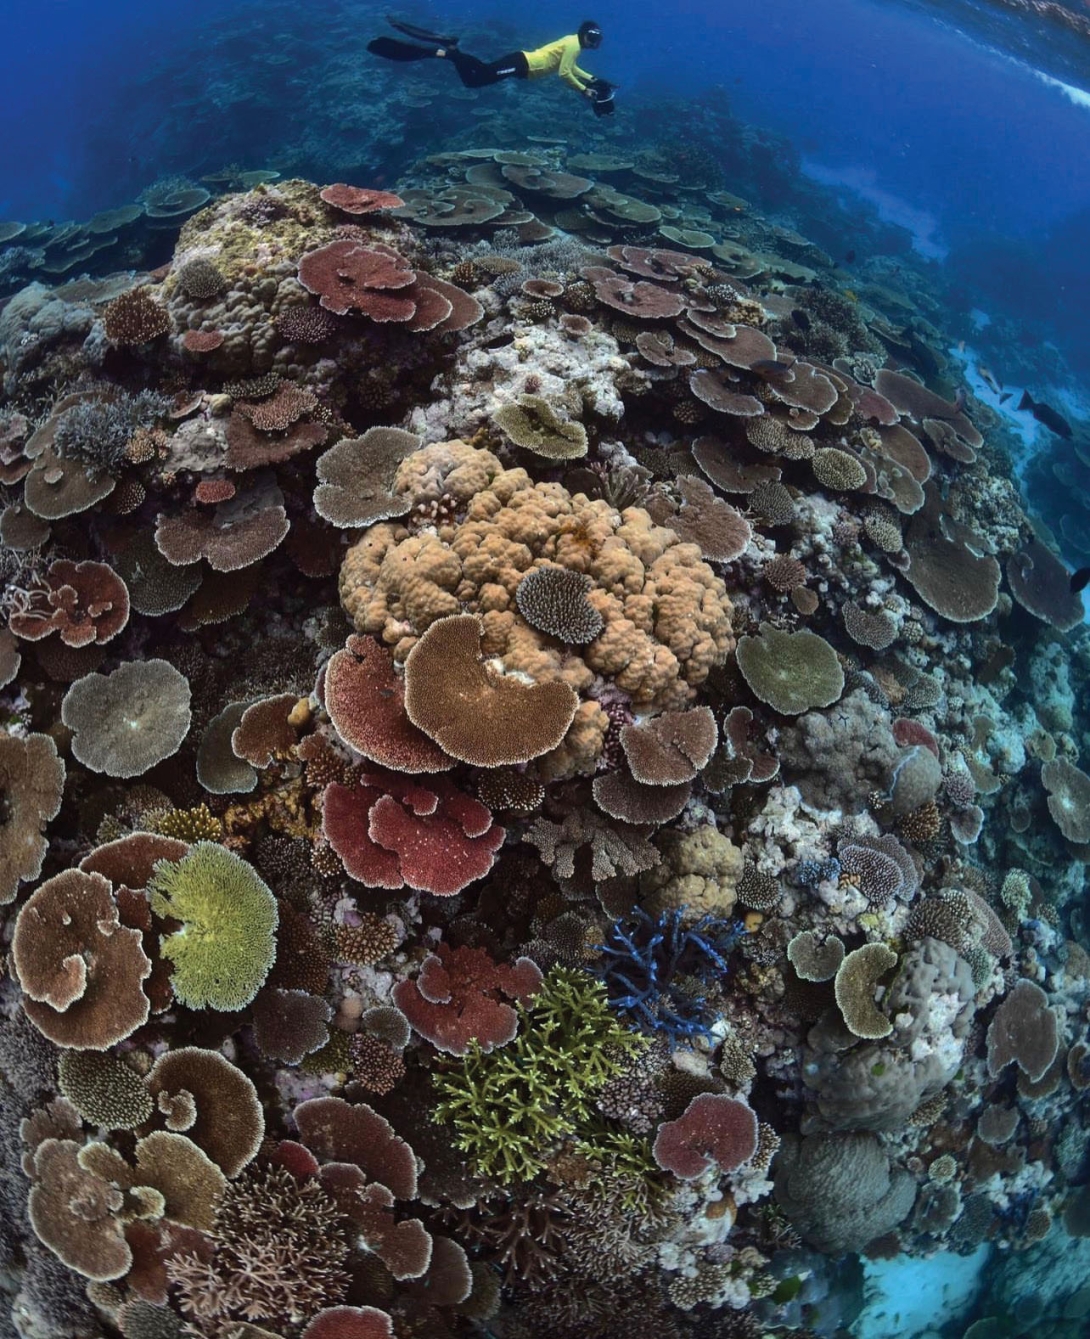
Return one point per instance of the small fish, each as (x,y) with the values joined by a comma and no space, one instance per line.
(1045,414)
(771,366)
(849,257)
(801,319)
(1005,397)
(960,399)
(1080,580)
(961,346)
(988,378)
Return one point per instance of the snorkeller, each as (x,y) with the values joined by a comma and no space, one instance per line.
(557,57)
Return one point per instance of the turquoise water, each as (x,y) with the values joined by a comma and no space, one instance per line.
(544,780)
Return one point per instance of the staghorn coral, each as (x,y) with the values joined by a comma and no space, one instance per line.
(508,1106)
(661,969)
(277,1254)
(101,432)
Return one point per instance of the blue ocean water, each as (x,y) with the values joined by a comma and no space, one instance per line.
(934,155)
(966,125)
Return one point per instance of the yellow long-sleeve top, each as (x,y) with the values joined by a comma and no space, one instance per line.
(559,56)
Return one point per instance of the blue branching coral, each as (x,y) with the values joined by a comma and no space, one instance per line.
(809,873)
(656,968)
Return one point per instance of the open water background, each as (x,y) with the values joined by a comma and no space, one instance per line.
(964,121)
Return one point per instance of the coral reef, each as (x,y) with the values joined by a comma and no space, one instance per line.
(543,782)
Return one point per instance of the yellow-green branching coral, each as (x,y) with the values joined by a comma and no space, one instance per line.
(226,944)
(511,1105)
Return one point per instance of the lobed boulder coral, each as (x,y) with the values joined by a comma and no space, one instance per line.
(840,1191)
(877,1085)
(665,614)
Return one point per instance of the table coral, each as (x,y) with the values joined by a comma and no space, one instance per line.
(80,969)
(31,788)
(225,947)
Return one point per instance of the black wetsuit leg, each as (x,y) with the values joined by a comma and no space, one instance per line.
(476,73)
(389,48)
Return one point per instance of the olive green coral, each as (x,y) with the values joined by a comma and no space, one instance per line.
(508,1106)
(226,945)
(792,672)
(534,424)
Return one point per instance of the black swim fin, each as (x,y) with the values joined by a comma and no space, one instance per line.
(390,49)
(421,34)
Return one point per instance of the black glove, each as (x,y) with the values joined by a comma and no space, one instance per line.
(602,94)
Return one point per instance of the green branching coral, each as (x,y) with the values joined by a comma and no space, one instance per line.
(509,1106)
(225,947)
(623,1161)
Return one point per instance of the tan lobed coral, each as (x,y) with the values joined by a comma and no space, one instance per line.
(665,614)
(700,872)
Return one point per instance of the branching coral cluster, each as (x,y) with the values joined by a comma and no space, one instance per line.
(523,785)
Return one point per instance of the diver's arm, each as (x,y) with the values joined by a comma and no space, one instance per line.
(588,80)
(571,74)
